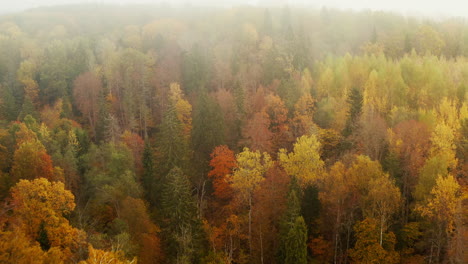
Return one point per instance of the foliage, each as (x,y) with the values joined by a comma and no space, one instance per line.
(304,163)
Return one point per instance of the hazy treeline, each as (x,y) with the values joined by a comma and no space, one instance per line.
(240,135)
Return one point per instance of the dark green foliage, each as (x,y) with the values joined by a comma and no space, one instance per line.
(28,109)
(172,146)
(296,242)
(149,173)
(53,77)
(355,108)
(182,228)
(293,230)
(289,91)
(43,238)
(195,70)
(8,104)
(310,208)
(207,132)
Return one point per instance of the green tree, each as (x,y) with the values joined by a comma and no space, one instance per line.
(181,225)
(355,101)
(296,242)
(149,172)
(293,230)
(208,131)
(172,145)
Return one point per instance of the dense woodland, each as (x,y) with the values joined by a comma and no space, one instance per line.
(243,135)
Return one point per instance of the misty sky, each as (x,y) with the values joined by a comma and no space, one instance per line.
(418,7)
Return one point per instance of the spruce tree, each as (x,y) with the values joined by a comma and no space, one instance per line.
(208,131)
(296,242)
(148,177)
(355,101)
(182,228)
(172,145)
(293,230)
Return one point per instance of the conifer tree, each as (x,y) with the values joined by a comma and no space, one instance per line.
(181,225)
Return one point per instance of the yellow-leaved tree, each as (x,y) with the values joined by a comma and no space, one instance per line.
(441,209)
(247,177)
(304,163)
(39,209)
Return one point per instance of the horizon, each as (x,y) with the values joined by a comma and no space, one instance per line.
(417,8)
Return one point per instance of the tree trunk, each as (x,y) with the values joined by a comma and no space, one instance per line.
(250,224)
(381,228)
(261,245)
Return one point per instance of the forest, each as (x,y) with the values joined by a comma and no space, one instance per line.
(151,134)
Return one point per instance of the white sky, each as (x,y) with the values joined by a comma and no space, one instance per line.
(420,7)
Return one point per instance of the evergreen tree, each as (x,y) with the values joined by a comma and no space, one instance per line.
(293,230)
(8,105)
(296,242)
(172,147)
(181,225)
(208,131)
(355,101)
(148,177)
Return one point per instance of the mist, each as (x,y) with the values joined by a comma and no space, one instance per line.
(413,8)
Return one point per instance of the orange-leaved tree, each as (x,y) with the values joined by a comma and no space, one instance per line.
(40,208)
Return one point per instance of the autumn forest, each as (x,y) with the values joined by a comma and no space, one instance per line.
(151,134)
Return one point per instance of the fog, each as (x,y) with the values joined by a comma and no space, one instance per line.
(412,7)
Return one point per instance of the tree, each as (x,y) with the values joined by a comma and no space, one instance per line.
(143,232)
(181,225)
(173,144)
(182,108)
(355,101)
(97,256)
(148,177)
(338,198)
(296,242)
(383,199)
(54,73)
(293,231)
(25,75)
(16,247)
(372,135)
(223,162)
(304,162)
(441,209)
(136,145)
(257,134)
(251,166)
(302,123)
(278,115)
(410,143)
(428,41)
(43,204)
(208,131)
(31,161)
(368,249)
(270,201)
(87,90)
